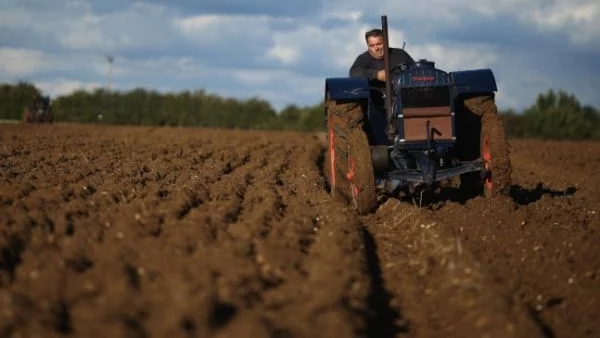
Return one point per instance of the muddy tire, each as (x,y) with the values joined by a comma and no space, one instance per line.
(348,166)
(493,149)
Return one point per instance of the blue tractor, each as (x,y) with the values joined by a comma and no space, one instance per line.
(422,127)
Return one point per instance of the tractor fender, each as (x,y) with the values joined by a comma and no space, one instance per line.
(474,81)
(347,88)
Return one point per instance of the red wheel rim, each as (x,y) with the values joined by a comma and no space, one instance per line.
(487,162)
(332,156)
(350,178)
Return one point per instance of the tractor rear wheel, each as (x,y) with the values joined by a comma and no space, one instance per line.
(493,150)
(348,166)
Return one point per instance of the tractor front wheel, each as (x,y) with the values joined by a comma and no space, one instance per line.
(495,153)
(493,150)
(348,165)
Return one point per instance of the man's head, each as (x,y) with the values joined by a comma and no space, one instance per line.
(374,40)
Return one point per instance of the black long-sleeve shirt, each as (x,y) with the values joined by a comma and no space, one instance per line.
(367,66)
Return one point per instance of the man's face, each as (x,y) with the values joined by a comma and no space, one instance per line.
(375,45)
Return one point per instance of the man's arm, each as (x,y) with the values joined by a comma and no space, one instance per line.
(361,68)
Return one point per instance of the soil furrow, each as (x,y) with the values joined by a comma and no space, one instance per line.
(153,232)
(537,244)
(434,280)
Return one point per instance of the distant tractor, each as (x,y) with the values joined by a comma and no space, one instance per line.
(38,111)
(423,127)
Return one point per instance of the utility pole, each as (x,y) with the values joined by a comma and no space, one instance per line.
(110,59)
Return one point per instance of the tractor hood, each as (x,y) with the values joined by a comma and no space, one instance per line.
(421,74)
(474,81)
(424,74)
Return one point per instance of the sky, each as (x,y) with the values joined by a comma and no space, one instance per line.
(282,51)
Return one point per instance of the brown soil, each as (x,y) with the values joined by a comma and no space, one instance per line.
(154,232)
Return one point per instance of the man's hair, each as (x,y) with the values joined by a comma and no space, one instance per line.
(373,33)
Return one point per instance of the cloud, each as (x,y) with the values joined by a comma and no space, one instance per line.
(278,9)
(28,63)
(457,57)
(217,29)
(74,26)
(227,40)
(310,47)
(332,51)
(577,19)
(63,86)
(17,62)
(580,20)
(285,54)
(283,51)
(341,15)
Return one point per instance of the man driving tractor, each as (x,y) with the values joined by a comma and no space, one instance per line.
(370,63)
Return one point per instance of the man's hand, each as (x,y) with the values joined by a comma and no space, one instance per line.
(381,75)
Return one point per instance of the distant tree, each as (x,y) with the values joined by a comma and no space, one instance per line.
(309,118)
(559,115)
(290,117)
(554,115)
(513,123)
(313,118)
(14,98)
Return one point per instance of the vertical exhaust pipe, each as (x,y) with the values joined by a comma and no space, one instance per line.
(391,126)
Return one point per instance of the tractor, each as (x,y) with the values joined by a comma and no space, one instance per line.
(39,110)
(422,127)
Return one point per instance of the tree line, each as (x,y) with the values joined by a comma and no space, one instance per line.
(554,114)
(148,107)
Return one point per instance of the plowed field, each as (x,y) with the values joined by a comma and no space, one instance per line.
(166,232)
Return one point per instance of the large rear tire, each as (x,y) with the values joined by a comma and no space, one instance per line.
(348,166)
(493,150)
